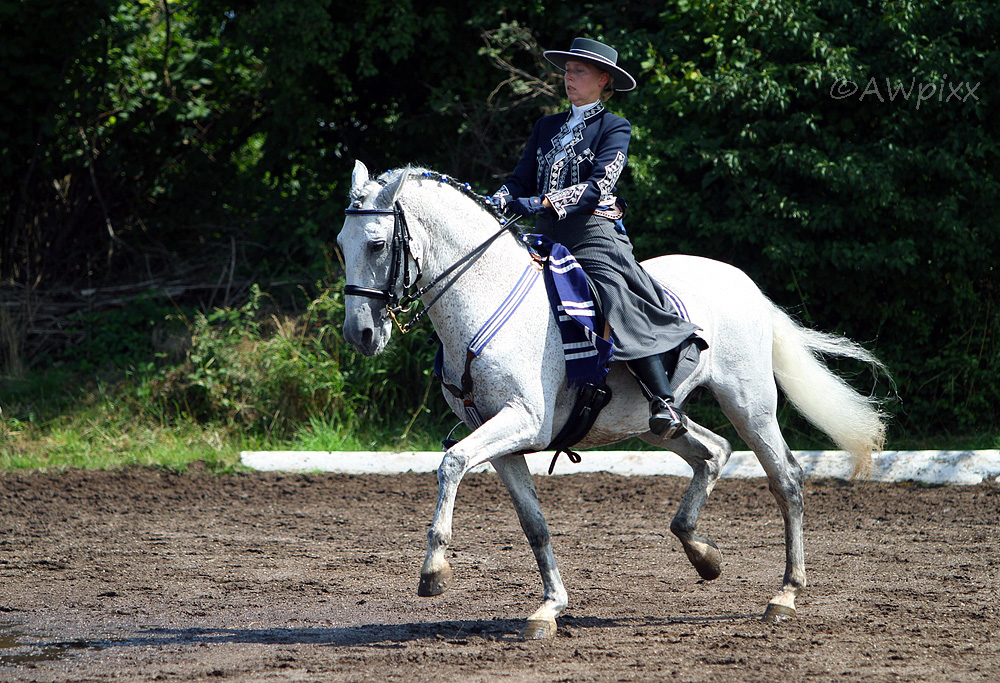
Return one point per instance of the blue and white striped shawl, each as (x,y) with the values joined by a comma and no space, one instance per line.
(587,354)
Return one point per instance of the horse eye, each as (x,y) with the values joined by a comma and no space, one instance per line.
(377,246)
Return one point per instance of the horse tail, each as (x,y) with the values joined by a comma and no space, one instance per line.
(852,420)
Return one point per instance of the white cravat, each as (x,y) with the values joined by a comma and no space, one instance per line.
(576,118)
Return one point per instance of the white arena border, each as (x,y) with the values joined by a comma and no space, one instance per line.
(929,467)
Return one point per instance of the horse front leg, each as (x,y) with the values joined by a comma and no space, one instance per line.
(436,574)
(509,431)
(514,473)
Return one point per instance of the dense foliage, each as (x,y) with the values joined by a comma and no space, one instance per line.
(843,153)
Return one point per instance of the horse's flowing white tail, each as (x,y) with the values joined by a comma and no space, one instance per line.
(852,420)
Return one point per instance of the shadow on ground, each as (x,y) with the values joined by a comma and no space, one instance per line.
(23,648)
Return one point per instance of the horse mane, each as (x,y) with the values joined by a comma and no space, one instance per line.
(392,182)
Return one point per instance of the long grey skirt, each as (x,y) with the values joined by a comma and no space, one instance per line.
(643,321)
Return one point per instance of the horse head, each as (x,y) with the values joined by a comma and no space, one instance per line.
(381,260)
(384,258)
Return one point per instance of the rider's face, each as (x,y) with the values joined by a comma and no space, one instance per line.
(584,82)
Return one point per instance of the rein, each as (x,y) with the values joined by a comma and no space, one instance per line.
(400,255)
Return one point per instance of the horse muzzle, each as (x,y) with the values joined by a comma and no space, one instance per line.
(368,338)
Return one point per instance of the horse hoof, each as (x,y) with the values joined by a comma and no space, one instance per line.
(706,558)
(434,584)
(777,613)
(538,629)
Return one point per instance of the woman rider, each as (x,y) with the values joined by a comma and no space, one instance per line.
(567,178)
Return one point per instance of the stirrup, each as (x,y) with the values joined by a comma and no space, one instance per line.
(665,419)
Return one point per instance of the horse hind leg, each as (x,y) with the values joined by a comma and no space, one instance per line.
(516,477)
(785,479)
(707,453)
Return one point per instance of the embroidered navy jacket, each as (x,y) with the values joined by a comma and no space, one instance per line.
(581,176)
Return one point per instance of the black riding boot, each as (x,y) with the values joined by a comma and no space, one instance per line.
(665,419)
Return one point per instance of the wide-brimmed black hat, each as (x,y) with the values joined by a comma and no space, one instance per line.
(602,56)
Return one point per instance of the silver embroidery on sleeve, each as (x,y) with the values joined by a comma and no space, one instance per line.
(612,172)
(562,199)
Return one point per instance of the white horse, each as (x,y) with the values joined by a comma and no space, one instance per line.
(410,226)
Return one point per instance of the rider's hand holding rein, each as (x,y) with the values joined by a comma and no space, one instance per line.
(529,206)
(525,206)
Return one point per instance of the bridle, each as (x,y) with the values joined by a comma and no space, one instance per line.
(399,252)
(399,292)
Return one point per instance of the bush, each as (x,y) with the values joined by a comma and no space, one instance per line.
(275,373)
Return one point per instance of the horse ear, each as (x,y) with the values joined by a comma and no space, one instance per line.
(359,178)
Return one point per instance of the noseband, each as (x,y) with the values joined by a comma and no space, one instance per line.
(399,273)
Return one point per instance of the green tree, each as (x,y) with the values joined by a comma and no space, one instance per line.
(167,138)
(869,213)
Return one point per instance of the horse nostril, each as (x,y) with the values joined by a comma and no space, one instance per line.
(360,336)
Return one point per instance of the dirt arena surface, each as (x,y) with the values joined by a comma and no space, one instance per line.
(149,575)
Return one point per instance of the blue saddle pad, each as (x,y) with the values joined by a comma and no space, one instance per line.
(587,354)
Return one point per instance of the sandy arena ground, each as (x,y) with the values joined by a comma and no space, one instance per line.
(148,575)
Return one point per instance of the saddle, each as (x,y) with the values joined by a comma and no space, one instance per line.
(587,346)
(578,310)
